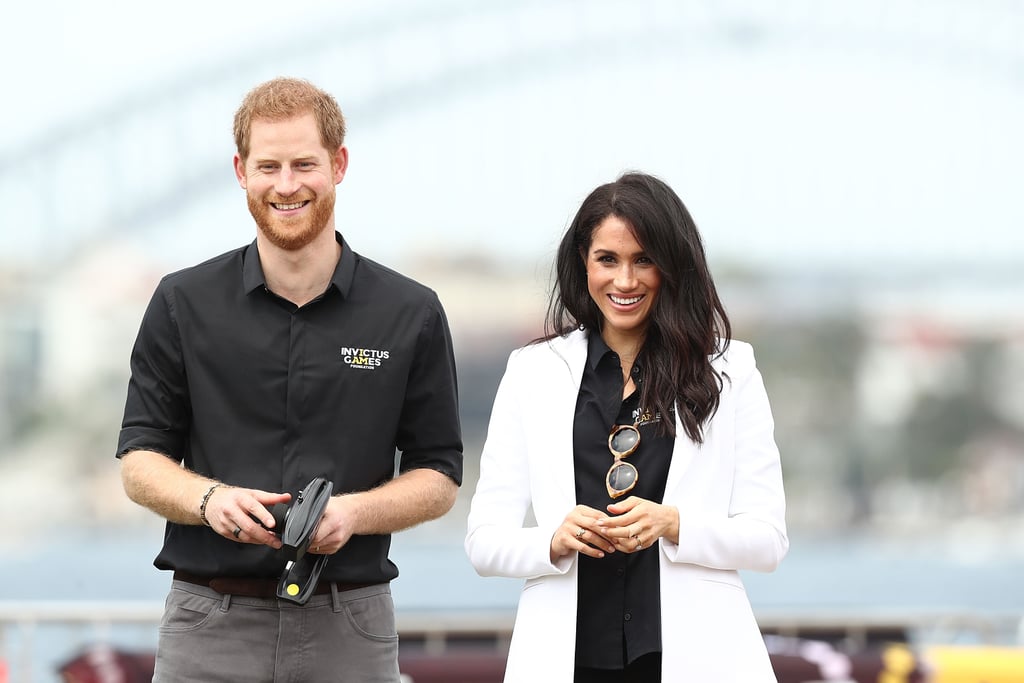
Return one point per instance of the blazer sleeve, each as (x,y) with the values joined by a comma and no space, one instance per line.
(497,542)
(752,533)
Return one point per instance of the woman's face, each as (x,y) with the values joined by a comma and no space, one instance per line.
(622,280)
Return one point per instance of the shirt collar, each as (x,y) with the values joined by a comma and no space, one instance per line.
(597,349)
(344,273)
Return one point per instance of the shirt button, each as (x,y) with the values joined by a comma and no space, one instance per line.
(628,616)
(620,571)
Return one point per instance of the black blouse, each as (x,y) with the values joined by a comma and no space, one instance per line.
(619,613)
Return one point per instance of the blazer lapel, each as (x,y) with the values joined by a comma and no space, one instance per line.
(563,383)
(683,452)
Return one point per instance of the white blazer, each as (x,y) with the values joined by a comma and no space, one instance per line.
(731,516)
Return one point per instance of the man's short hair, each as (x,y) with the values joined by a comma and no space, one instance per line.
(284,98)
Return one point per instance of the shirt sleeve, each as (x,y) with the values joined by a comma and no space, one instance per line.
(157,406)
(429,431)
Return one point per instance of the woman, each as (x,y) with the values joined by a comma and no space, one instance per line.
(641,438)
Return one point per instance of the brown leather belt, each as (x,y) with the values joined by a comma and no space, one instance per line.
(257,588)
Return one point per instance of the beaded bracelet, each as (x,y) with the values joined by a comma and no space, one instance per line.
(206,499)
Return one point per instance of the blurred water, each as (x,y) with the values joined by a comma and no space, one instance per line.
(820,574)
(837,571)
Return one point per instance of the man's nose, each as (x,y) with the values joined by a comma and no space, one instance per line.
(287,182)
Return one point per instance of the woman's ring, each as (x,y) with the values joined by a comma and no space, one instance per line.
(639,544)
(579,534)
(237,531)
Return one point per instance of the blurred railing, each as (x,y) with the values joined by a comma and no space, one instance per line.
(58,630)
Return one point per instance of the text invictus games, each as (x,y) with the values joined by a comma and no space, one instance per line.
(366,359)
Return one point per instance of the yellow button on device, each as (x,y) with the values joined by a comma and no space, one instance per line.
(293,589)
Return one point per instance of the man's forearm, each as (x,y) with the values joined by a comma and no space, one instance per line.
(413,497)
(162,485)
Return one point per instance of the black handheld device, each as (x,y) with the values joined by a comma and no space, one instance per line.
(296,523)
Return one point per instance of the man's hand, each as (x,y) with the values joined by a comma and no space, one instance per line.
(243,515)
(411,498)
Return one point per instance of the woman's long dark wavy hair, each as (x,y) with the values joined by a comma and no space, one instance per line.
(688,325)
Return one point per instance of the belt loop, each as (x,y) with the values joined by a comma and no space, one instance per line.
(225,604)
(335,597)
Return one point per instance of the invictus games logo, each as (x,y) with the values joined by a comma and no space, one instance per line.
(363,359)
(642,417)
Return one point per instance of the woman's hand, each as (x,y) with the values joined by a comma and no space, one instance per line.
(636,524)
(580,533)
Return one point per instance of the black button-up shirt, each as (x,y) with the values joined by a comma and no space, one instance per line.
(245,387)
(619,610)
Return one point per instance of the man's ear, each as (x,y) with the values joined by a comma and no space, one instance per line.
(340,163)
(240,171)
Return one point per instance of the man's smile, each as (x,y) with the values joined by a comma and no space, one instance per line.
(289,207)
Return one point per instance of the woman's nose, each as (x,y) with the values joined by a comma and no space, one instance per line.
(625,277)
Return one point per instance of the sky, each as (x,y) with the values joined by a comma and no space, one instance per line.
(865,134)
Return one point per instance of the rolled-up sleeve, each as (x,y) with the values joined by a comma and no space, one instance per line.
(429,431)
(156,413)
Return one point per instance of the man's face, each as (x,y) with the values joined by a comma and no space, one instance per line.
(289,180)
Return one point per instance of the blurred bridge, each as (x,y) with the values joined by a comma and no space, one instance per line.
(156,152)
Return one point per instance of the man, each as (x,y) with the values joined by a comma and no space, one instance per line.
(260,369)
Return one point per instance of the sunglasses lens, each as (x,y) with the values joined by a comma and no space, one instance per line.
(624,440)
(621,477)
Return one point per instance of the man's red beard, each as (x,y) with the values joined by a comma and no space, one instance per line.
(291,233)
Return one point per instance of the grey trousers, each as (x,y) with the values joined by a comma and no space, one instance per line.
(208,637)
